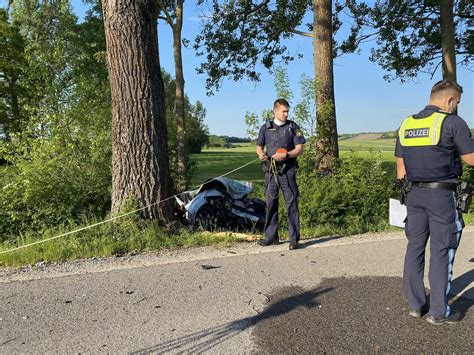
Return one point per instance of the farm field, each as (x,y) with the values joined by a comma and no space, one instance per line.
(217,161)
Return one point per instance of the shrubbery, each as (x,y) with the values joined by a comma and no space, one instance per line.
(353,199)
(54,182)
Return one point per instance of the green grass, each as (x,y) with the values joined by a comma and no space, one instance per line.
(119,238)
(129,235)
(217,161)
(365,145)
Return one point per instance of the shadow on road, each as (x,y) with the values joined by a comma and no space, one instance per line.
(460,283)
(360,314)
(305,244)
(207,339)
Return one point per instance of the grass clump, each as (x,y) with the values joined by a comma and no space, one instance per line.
(123,236)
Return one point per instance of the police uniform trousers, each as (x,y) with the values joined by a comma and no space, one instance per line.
(431,213)
(287,185)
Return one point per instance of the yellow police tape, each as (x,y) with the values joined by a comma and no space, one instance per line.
(117,217)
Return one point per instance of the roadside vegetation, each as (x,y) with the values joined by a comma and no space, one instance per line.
(64,163)
(352,200)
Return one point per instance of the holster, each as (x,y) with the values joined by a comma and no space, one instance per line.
(404,187)
(464,197)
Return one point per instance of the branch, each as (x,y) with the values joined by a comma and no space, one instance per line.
(301,33)
(461,15)
(365,38)
(255,9)
(167,17)
(435,69)
(434,57)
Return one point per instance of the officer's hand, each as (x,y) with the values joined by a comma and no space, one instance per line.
(279,156)
(263,157)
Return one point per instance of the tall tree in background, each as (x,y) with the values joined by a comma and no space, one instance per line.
(447,39)
(415,37)
(303,112)
(196,131)
(240,35)
(327,149)
(171,11)
(12,64)
(140,167)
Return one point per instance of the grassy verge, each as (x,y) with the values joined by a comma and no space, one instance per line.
(119,238)
(129,236)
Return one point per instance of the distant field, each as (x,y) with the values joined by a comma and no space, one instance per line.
(365,136)
(217,161)
(368,144)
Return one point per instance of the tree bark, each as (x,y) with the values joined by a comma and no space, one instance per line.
(327,150)
(140,166)
(447,40)
(180,109)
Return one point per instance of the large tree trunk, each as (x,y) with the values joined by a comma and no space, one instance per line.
(447,40)
(327,149)
(140,167)
(180,109)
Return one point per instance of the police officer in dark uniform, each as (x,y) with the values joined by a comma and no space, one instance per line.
(429,150)
(280,171)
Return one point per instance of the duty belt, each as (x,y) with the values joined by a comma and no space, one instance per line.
(436,185)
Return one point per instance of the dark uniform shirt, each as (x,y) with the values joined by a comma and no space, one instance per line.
(455,135)
(286,136)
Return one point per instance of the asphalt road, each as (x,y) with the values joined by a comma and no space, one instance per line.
(335,295)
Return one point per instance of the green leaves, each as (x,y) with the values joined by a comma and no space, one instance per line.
(408,35)
(240,35)
(60,158)
(353,199)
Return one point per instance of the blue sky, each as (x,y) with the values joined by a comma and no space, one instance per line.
(364,101)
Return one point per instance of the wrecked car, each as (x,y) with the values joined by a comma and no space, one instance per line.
(221,204)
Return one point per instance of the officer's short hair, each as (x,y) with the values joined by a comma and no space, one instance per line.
(444,85)
(281,102)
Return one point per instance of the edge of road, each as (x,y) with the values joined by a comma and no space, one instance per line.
(43,270)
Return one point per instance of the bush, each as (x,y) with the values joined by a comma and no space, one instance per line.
(54,181)
(353,199)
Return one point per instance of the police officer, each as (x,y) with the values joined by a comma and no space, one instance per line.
(280,171)
(429,150)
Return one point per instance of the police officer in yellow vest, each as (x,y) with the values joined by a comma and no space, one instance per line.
(429,150)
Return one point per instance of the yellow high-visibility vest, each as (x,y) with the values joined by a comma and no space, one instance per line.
(421,132)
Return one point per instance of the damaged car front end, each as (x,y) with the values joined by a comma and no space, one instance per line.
(221,204)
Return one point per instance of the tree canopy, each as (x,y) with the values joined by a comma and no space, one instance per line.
(408,37)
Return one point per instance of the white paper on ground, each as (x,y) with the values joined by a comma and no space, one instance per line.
(397,213)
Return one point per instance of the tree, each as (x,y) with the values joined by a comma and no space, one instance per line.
(327,149)
(12,63)
(447,40)
(305,110)
(416,36)
(60,159)
(196,132)
(172,13)
(240,35)
(303,113)
(140,168)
